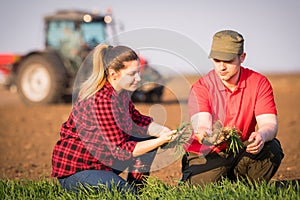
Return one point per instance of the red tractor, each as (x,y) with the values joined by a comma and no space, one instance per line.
(45,76)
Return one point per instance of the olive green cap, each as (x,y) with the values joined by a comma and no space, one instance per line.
(226,45)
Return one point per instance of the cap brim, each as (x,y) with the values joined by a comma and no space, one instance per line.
(224,56)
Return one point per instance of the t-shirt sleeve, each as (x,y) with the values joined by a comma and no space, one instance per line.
(198,100)
(265,103)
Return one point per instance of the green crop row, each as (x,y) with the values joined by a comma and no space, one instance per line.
(47,189)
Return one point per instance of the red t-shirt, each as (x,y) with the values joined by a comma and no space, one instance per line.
(253,96)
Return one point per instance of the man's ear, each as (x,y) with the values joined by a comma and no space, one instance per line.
(242,57)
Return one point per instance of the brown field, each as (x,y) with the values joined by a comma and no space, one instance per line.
(28,133)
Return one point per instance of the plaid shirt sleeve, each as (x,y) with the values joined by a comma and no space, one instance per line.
(140,122)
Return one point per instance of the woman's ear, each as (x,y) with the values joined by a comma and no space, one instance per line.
(112,74)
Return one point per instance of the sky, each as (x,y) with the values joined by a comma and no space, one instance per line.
(174,35)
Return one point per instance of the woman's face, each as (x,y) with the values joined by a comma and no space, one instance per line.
(128,77)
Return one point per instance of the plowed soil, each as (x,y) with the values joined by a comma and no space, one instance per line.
(28,133)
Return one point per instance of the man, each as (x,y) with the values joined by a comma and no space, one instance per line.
(239,98)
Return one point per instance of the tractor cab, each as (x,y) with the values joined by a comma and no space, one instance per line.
(74,34)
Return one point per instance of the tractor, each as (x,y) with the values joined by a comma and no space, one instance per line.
(45,76)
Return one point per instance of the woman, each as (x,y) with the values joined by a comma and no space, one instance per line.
(105,134)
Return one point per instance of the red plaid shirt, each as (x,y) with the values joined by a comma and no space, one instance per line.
(97,133)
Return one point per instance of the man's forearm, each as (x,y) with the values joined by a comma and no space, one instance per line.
(267,126)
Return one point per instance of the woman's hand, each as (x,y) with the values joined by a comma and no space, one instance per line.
(156,129)
(167,135)
(164,136)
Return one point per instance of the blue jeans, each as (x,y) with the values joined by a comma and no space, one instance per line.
(112,179)
(94,178)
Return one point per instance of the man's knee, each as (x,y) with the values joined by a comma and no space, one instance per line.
(276,152)
(262,166)
(201,170)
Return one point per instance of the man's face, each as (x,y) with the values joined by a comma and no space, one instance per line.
(227,70)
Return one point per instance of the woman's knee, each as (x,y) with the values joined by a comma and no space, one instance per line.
(97,179)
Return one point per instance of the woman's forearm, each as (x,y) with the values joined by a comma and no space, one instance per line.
(146,146)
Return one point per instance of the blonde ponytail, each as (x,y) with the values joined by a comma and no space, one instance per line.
(98,78)
(105,57)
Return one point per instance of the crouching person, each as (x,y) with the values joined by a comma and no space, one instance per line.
(105,134)
(239,98)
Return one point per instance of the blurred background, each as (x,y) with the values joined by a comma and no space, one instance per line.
(172,35)
(271,28)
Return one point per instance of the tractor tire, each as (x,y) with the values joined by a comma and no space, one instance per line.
(148,96)
(41,79)
(154,95)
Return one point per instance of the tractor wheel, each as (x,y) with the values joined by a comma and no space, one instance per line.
(40,79)
(155,95)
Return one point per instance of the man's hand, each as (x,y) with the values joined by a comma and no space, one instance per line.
(201,134)
(256,143)
(267,130)
(202,124)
